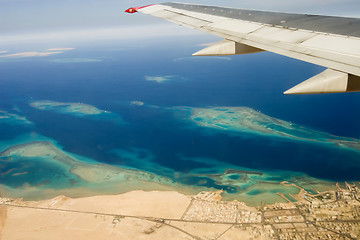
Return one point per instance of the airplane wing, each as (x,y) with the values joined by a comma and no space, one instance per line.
(332,42)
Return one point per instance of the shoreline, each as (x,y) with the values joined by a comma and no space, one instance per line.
(170,214)
(88,178)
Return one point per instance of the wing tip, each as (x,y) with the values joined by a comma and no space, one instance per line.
(135,9)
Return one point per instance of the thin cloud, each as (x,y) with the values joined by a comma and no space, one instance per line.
(165,78)
(202,58)
(60,49)
(47,52)
(118,33)
(76,60)
(28,54)
(159,79)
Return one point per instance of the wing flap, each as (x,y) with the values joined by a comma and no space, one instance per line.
(283,35)
(333,43)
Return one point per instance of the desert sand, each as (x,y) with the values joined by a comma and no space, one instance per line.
(133,215)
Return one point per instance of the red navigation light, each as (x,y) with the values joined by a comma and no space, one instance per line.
(134,9)
(131,10)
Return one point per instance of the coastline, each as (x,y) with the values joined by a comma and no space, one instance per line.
(85,177)
(170,214)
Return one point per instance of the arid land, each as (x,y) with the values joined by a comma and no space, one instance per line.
(171,215)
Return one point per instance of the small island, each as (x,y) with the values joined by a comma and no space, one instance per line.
(67,108)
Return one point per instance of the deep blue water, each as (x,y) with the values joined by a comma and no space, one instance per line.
(255,81)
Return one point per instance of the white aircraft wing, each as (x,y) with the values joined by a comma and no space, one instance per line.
(332,42)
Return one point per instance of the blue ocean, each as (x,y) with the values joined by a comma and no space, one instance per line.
(150,91)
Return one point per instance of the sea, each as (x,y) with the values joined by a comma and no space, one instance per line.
(150,87)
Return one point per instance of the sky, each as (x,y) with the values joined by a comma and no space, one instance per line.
(28,21)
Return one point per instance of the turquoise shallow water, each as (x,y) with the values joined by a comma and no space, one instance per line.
(136,124)
(32,160)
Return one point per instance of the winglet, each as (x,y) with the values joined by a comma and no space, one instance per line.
(135,9)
